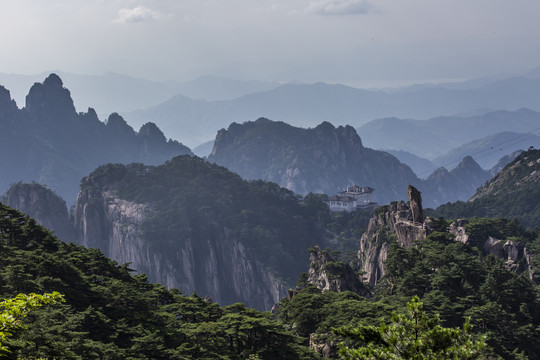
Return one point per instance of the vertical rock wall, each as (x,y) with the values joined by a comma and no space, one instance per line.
(218,266)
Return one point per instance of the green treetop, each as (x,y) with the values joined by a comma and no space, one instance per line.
(412,336)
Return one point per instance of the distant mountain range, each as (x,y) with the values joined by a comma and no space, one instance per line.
(112,92)
(194,111)
(441,135)
(308,105)
(513,193)
(47,141)
(488,150)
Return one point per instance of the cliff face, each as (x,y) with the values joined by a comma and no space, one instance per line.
(219,266)
(41,203)
(327,274)
(395,221)
(198,227)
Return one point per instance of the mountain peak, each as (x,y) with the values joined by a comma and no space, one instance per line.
(53,80)
(7,105)
(50,99)
(152,132)
(468,163)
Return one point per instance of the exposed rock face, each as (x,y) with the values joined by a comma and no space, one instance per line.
(516,256)
(327,274)
(327,349)
(394,221)
(457,228)
(217,265)
(505,160)
(47,208)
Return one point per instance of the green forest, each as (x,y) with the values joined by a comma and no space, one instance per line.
(108,313)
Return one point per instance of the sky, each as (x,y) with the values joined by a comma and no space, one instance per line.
(348,41)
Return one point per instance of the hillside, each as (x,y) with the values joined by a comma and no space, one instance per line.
(110,314)
(514,193)
(47,141)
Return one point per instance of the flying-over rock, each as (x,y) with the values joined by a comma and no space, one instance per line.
(415,205)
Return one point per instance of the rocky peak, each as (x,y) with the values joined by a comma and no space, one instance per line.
(331,275)
(470,173)
(7,105)
(151,132)
(118,125)
(50,100)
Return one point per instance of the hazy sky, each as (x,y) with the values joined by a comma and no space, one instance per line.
(281,40)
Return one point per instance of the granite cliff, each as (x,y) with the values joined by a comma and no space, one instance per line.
(197,227)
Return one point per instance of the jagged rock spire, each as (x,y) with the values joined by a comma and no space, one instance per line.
(415,204)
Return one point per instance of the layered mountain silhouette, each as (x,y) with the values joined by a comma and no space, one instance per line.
(436,137)
(325,159)
(307,105)
(47,141)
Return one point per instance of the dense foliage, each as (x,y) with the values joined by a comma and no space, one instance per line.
(12,311)
(454,280)
(412,336)
(512,193)
(110,314)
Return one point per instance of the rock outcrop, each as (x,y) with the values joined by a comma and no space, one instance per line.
(328,274)
(397,221)
(517,256)
(41,203)
(415,205)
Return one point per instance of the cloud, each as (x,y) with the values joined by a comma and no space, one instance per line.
(339,7)
(138,14)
